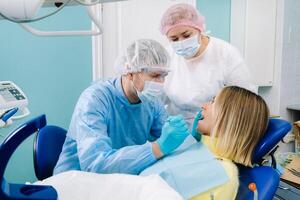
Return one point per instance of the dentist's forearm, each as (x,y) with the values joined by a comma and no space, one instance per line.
(156,150)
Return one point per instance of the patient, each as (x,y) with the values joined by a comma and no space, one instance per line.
(230,127)
(238,119)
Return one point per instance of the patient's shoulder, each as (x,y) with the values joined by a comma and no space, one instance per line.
(227,190)
(230,168)
(231,187)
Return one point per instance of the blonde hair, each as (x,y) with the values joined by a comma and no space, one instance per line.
(241,119)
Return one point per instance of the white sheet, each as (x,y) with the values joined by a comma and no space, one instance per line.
(76,185)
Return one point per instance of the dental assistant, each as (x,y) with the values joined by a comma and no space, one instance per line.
(120,125)
(201,65)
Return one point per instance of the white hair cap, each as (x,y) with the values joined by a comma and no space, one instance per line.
(143,55)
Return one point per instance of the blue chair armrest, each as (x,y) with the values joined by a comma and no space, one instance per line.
(18,191)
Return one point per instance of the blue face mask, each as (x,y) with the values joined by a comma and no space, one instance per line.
(152,91)
(188,47)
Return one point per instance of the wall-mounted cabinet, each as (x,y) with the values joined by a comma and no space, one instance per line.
(253,31)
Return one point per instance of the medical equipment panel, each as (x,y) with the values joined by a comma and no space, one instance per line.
(11,96)
(12,100)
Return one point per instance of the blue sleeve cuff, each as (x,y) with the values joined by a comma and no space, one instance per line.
(153,158)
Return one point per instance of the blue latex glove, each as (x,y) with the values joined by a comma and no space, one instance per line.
(174,132)
(194,133)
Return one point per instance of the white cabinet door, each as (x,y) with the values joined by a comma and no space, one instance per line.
(253,31)
(127,21)
(260,39)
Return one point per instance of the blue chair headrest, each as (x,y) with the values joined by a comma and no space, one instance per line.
(277,129)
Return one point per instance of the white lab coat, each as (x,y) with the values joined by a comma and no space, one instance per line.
(196,81)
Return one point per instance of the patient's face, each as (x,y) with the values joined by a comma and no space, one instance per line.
(206,124)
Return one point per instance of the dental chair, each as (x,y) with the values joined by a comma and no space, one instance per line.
(10,191)
(266,178)
(49,141)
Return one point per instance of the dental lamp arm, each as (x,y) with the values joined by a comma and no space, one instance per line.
(23,12)
(68,33)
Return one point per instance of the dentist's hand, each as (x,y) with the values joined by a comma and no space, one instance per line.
(174,132)
(194,132)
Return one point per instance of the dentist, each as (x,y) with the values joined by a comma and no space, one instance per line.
(120,125)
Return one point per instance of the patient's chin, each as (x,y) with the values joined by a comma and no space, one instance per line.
(204,127)
(202,130)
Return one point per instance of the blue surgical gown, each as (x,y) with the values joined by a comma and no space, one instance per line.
(108,134)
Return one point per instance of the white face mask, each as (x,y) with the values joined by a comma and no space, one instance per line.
(152,91)
(188,47)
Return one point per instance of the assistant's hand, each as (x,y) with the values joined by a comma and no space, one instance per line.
(174,132)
